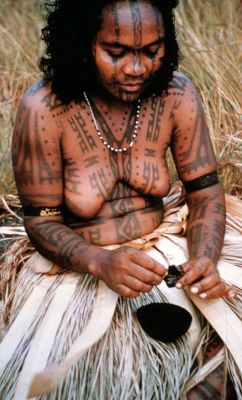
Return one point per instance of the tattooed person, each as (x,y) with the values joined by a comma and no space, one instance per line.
(89,156)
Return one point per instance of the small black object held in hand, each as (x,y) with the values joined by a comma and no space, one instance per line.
(174,273)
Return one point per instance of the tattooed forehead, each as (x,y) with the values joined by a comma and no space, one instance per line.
(139,19)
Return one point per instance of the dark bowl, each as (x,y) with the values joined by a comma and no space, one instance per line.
(164,321)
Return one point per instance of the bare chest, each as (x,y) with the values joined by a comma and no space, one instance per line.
(93,175)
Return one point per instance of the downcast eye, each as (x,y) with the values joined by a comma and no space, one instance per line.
(151,53)
(116,52)
(152,50)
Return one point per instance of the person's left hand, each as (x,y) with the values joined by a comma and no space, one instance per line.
(202,276)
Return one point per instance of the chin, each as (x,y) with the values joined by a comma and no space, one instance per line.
(130,97)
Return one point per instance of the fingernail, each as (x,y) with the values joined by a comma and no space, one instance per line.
(194,289)
(203,295)
(232,294)
(178,285)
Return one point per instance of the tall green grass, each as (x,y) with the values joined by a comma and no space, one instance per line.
(209,34)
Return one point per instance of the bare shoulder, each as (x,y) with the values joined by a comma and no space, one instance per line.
(191,145)
(40,96)
(181,86)
(36,131)
(184,97)
(36,148)
(36,112)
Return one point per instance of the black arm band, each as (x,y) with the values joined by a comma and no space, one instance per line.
(202,182)
(42,211)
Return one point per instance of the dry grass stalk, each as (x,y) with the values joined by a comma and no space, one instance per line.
(20,24)
(209,34)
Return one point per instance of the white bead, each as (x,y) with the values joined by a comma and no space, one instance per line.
(108,146)
(131,144)
(116,150)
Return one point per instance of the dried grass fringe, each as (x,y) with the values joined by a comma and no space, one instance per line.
(125,364)
(167,375)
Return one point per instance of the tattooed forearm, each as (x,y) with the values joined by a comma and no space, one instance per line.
(59,244)
(206,226)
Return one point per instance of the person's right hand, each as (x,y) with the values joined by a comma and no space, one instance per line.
(129,271)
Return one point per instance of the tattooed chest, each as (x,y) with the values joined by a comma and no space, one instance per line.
(92,181)
(92,173)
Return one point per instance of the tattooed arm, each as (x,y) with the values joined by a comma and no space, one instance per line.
(194,157)
(37,168)
(37,163)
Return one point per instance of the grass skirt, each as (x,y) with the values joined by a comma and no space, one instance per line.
(47,310)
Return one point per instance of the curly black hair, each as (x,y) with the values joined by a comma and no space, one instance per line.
(68,35)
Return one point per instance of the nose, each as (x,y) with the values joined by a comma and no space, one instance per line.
(134,65)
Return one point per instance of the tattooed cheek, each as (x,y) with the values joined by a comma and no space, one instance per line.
(114,74)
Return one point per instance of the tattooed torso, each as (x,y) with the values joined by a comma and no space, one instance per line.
(109,197)
(119,194)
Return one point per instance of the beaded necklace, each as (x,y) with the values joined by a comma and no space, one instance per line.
(104,141)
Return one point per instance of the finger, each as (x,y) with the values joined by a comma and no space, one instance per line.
(148,262)
(144,275)
(214,293)
(194,271)
(205,284)
(136,284)
(231,291)
(125,291)
(222,290)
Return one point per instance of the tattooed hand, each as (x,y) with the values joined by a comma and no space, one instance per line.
(203,278)
(129,271)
